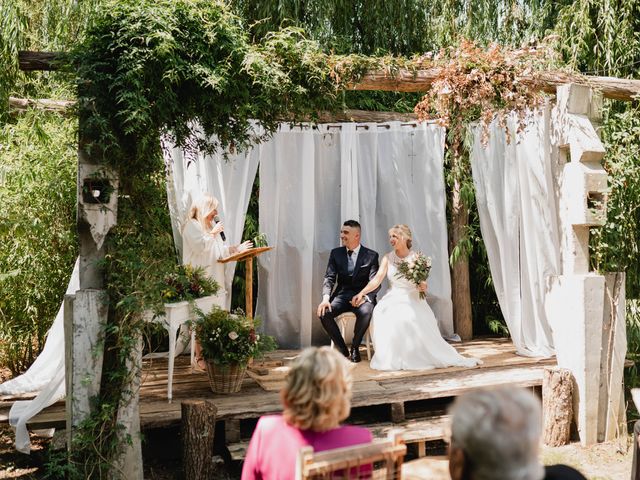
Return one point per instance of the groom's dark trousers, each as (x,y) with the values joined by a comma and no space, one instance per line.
(341,286)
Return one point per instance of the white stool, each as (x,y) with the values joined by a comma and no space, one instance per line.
(342,321)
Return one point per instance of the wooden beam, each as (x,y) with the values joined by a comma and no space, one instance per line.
(365,116)
(33,61)
(405,80)
(421,80)
(23,104)
(360,116)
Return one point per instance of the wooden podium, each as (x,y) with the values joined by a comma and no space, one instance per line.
(247,256)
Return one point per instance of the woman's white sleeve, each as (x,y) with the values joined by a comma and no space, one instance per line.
(205,244)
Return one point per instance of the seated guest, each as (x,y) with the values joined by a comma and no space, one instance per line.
(495,434)
(316,398)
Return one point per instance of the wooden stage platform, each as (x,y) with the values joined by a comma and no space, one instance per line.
(371,388)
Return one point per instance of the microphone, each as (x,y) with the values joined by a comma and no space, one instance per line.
(222,235)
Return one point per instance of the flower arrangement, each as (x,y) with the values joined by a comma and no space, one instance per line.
(187,283)
(177,284)
(415,270)
(230,338)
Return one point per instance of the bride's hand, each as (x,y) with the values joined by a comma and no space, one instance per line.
(357,300)
(422,287)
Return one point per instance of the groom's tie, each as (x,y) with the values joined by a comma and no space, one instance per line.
(350,265)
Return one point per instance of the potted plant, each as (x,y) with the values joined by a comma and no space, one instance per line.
(229,341)
(184,285)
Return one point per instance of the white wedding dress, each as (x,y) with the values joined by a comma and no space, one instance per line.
(405,331)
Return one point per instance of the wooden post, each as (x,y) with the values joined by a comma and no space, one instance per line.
(248,286)
(198,430)
(128,464)
(460,287)
(557,406)
(397,412)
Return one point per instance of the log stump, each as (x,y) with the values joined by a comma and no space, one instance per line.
(557,406)
(198,430)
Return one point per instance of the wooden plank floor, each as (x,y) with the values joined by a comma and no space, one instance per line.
(370,389)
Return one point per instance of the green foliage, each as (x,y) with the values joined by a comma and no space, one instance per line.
(37,240)
(616,246)
(600,36)
(404,27)
(169,63)
(38,25)
(228,338)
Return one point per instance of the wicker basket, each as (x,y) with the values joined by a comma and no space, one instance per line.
(225,378)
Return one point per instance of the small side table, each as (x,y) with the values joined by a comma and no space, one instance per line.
(176,315)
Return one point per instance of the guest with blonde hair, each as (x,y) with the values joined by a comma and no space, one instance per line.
(316,398)
(203,245)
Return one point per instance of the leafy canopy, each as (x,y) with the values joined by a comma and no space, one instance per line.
(168,67)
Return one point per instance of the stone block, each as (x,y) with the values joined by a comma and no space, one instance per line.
(583,140)
(581,100)
(574,306)
(585,185)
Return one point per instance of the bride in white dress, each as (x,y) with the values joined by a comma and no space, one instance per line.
(405,331)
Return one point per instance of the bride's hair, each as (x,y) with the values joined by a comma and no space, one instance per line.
(404,231)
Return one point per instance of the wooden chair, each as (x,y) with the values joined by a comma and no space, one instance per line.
(377,460)
(343,320)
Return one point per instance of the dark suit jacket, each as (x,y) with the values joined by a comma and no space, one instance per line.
(346,285)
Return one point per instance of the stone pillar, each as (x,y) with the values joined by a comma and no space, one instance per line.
(575,303)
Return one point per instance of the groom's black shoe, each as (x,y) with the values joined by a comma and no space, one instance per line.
(355,355)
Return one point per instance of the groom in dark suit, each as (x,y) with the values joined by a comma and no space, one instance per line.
(350,268)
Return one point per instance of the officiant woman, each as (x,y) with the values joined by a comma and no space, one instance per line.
(203,245)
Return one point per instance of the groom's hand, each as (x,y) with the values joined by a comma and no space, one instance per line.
(322,308)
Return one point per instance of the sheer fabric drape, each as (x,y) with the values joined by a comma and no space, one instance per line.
(518,222)
(45,376)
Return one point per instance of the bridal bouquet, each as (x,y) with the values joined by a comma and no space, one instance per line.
(415,270)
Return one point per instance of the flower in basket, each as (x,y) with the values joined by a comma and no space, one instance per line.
(230,338)
(415,270)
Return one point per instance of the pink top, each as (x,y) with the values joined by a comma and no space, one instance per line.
(275,444)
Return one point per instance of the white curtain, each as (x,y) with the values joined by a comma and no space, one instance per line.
(518,222)
(228,179)
(401,180)
(300,214)
(45,376)
(314,178)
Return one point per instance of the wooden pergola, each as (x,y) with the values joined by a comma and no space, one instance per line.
(402,81)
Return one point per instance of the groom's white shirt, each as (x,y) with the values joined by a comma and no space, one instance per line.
(354,255)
